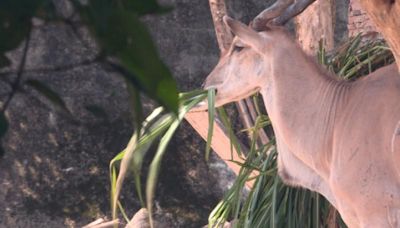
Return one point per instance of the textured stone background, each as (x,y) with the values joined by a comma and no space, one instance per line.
(55,170)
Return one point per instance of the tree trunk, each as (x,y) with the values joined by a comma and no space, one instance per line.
(224,36)
(386,16)
(314,24)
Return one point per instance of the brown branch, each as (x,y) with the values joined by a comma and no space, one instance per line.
(263,138)
(221,142)
(224,36)
(245,116)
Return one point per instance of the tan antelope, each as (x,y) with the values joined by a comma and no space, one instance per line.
(338,138)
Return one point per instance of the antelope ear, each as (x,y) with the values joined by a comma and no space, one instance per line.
(246,34)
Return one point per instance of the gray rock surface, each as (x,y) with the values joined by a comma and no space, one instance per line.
(55,170)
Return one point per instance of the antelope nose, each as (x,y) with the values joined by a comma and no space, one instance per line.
(205,87)
(209,84)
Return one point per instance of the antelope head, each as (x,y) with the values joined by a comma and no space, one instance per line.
(245,67)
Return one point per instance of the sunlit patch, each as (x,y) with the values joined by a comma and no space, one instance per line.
(94,170)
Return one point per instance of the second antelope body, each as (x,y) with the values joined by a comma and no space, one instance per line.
(341,139)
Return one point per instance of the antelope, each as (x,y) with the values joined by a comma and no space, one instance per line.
(338,138)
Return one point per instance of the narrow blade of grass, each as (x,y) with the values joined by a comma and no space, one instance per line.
(211,117)
(122,172)
(156,162)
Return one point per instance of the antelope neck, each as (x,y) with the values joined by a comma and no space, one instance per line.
(303,103)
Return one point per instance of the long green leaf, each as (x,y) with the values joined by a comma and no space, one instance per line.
(49,93)
(211,117)
(121,34)
(128,156)
(156,163)
(3,124)
(15,18)
(122,172)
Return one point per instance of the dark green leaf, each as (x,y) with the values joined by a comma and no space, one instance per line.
(142,7)
(3,131)
(97,111)
(136,105)
(2,152)
(15,23)
(211,117)
(46,91)
(4,61)
(3,125)
(121,34)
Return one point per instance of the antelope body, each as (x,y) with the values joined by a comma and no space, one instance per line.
(338,138)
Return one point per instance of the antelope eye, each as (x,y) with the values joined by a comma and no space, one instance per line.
(237,48)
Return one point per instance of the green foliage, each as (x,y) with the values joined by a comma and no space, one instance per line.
(3,125)
(356,57)
(15,23)
(118,30)
(159,124)
(50,94)
(144,7)
(3,129)
(97,111)
(211,117)
(121,34)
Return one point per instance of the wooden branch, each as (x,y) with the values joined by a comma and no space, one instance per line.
(220,142)
(263,138)
(245,116)
(224,35)
(102,223)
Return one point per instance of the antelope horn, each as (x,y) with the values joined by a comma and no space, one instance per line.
(280,13)
(293,11)
(261,20)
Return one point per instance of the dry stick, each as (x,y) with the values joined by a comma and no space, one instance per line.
(262,136)
(102,224)
(245,115)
